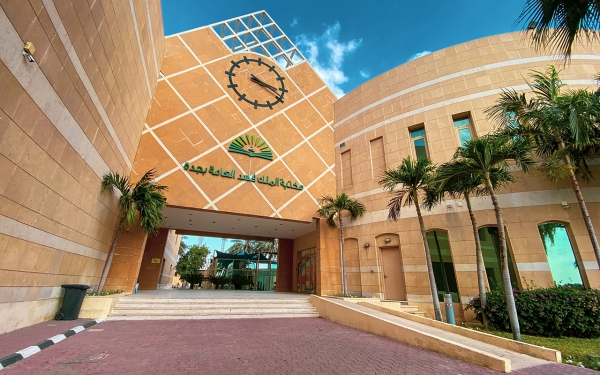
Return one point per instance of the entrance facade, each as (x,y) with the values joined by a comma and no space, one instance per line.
(243,137)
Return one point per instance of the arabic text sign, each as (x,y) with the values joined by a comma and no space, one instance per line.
(244,177)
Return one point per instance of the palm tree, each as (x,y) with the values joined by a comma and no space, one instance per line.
(415,177)
(559,23)
(332,209)
(487,158)
(561,128)
(142,201)
(464,186)
(182,246)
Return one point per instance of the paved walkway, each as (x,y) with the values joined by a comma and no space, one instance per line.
(19,339)
(248,346)
(517,360)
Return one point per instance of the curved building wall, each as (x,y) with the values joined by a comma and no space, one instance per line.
(373,126)
(75,113)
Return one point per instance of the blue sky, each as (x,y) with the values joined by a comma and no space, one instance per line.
(351,43)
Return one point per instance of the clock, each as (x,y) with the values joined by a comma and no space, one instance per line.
(256,82)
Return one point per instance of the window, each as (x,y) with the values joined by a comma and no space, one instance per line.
(561,258)
(418,140)
(346,169)
(463,127)
(490,247)
(377,157)
(443,269)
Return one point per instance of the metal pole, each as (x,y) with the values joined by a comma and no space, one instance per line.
(449,309)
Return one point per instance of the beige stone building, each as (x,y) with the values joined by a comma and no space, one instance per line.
(247,137)
(428,107)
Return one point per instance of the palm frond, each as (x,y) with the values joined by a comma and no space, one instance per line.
(559,23)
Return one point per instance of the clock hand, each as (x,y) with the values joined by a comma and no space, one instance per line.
(264,84)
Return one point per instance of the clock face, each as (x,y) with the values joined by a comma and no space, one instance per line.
(256,82)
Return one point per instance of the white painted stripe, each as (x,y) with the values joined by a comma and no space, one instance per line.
(509,200)
(99,320)
(183,114)
(463,73)
(466,299)
(419,298)
(1,367)
(533,266)
(41,91)
(454,101)
(151,38)
(368,193)
(590,265)
(139,41)
(66,41)
(465,267)
(414,268)
(57,338)
(78,329)
(186,174)
(28,233)
(28,352)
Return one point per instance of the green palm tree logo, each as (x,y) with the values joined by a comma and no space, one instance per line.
(252,146)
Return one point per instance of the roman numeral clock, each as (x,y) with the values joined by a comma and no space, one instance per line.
(256,82)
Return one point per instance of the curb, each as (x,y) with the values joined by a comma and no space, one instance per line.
(29,351)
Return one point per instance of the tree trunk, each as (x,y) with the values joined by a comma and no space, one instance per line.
(343,257)
(508,292)
(109,260)
(434,292)
(586,215)
(479,256)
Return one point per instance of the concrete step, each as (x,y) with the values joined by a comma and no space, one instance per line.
(211,311)
(212,306)
(194,317)
(135,307)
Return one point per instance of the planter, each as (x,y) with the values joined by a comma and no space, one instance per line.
(99,306)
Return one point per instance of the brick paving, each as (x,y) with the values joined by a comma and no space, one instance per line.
(16,340)
(244,346)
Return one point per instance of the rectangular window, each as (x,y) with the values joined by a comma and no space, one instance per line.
(377,157)
(346,169)
(443,268)
(490,247)
(419,143)
(463,127)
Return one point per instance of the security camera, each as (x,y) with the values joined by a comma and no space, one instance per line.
(28,56)
(28,51)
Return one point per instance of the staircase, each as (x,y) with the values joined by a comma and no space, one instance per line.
(137,307)
(402,306)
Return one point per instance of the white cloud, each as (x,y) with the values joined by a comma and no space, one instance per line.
(417,55)
(294,22)
(326,54)
(363,74)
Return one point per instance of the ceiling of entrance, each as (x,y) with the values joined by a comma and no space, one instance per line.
(184,219)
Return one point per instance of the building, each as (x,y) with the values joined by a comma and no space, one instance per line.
(243,157)
(429,106)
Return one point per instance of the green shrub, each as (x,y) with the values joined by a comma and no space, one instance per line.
(567,310)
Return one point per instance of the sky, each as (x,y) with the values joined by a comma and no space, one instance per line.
(350,42)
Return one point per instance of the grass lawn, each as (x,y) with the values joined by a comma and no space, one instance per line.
(573,349)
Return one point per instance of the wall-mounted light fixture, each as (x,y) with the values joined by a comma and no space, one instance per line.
(387,240)
(28,51)
(565,204)
(367,245)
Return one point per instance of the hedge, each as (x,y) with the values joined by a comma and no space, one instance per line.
(567,310)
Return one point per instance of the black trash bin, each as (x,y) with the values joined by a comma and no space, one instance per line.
(74,294)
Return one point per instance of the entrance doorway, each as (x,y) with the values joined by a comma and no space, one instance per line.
(393,274)
(307,271)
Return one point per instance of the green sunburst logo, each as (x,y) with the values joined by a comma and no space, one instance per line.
(252,146)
